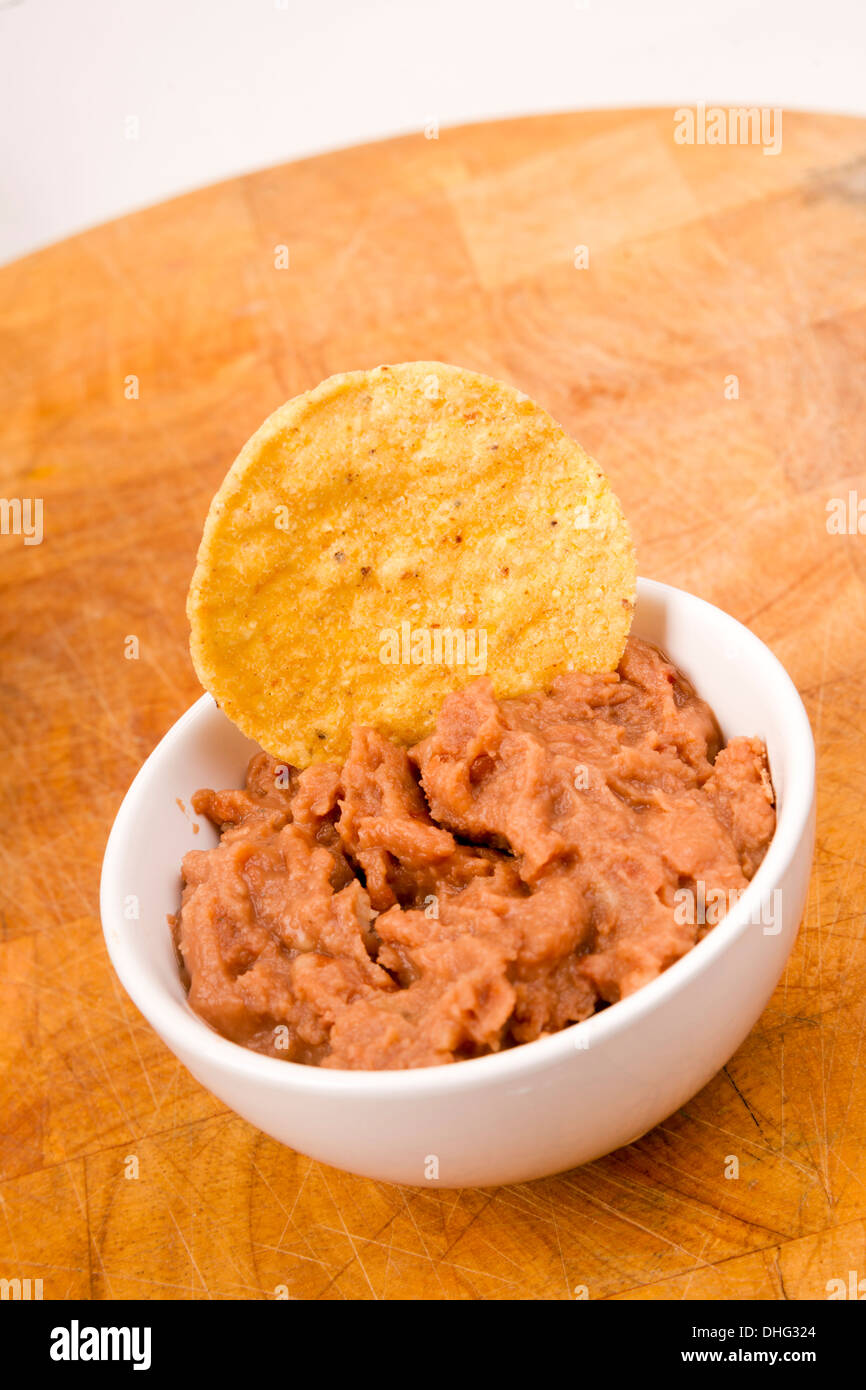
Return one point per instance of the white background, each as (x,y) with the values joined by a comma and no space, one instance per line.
(220,87)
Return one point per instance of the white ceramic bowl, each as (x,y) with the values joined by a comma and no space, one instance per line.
(536,1109)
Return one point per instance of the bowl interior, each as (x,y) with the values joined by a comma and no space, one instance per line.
(740,678)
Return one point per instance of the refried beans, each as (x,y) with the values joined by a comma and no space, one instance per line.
(511,874)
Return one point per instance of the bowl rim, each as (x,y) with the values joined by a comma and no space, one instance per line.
(190,1036)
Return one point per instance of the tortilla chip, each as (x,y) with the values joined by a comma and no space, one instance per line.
(383,540)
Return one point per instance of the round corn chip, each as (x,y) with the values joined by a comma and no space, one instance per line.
(388,537)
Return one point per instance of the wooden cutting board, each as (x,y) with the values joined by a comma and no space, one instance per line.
(708,347)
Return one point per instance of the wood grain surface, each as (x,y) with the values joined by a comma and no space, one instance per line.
(706,263)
